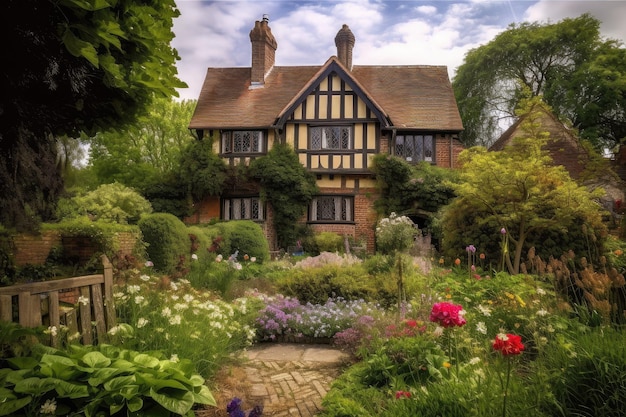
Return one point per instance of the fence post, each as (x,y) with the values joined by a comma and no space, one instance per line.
(108,293)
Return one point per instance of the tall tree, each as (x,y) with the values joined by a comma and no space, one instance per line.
(76,65)
(520,190)
(147,149)
(579,74)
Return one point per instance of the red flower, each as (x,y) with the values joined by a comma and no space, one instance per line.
(447,315)
(508,344)
(400,394)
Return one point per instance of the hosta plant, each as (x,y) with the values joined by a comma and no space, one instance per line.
(99,381)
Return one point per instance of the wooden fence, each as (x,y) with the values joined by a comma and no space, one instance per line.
(90,314)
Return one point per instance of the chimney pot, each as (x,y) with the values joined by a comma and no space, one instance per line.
(263,50)
(345,43)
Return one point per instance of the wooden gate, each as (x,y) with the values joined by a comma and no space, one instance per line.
(91,314)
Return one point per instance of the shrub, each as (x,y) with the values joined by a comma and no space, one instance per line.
(114,203)
(329,242)
(395,234)
(245,237)
(201,240)
(101,380)
(168,241)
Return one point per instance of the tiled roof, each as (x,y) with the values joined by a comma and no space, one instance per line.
(415,97)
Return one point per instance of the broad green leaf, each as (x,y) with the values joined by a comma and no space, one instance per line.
(34,385)
(100,376)
(96,360)
(14,377)
(147,361)
(135,404)
(69,390)
(120,382)
(23,362)
(158,383)
(196,380)
(179,404)
(123,365)
(80,48)
(8,408)
(204,396)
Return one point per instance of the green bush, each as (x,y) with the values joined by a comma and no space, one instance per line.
(201,239)
(168,241)
(114,203)
(329,242)
(245,237)
(316,285)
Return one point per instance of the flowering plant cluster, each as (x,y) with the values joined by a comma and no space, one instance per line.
(234,409)
(395,233)
(447,315)
(508,344)
(286,316)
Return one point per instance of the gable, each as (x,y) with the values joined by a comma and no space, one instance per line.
(332,94)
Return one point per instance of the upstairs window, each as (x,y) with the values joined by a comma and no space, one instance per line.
(243,141)
(331,137)
(414,148)
(331,209)
(249,208)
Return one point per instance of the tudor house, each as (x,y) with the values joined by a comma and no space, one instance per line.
(336,117)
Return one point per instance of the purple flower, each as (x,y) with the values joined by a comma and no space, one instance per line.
(503,231)
(233,405)
(257,411)
(471,248)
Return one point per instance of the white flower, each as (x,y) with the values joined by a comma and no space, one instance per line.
(474,360)
(114,330)
(188,298)
(503,337)
(484,310)
(253,259)
(175,297)
(166,312)
(145,278)
(141,322)
(219,258)
(49,407)
(541,291)
(52,330)
(173,286)
(180,306)
(132,289)
(174,358)
(175,320)
(481,327)
(83,300)
(542,312)
(194,257)
(438,331)
(139,299)
(118,295)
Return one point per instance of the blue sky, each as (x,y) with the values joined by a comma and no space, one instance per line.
(216,33)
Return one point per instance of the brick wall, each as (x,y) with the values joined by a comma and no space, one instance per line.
(34,249)
(448,151)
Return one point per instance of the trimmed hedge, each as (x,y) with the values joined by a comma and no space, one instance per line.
(168,241)
(244,236)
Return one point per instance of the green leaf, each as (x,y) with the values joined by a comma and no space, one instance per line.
(23,362)
(158,383)
(179,404)
(204,396)
(69,390)
(135,404)
(80,48)
(196,380)
(100,376)
(96,360)
(147,361)
(118,383)
(34,385)
(8,408)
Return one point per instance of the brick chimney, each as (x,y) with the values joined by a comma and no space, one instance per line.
(263,50)
(345,42)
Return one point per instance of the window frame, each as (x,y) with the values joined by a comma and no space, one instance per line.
(228,207)
(348,128)
(228,143)
(343,206)
(419,138)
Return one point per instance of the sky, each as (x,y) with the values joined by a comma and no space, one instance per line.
(216,33)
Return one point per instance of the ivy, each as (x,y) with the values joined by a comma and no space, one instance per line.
(288,186)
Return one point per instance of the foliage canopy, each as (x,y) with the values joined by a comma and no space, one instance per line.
(518,189)
(579,74)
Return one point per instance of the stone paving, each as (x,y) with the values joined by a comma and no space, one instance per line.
(291,379)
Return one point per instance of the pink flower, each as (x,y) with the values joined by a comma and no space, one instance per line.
(447,314)
(400,394)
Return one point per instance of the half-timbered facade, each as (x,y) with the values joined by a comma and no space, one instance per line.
(336,117)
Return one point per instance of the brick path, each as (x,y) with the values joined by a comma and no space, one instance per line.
(291,379)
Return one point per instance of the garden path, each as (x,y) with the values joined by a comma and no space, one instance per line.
(289,379)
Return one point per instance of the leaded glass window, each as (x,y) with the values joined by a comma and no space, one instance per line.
(414,148)
(331,137)
(242,141)
(249,208)
(331,209)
